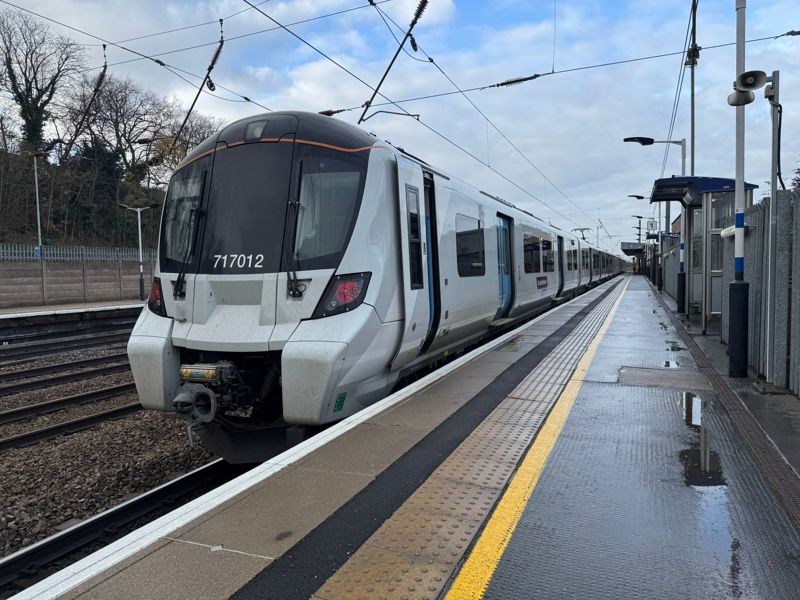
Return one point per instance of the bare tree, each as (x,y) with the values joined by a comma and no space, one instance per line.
(36,65)
(165,157)
(126,113)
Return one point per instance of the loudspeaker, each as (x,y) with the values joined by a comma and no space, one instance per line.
(750,80)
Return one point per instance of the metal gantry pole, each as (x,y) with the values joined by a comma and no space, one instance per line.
(141,261)
(773,94)
(691,60)
(739,289)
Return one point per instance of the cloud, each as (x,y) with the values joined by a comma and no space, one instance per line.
(570,124)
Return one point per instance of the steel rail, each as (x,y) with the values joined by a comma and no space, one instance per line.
(51,369)
(34,333)
(35,384)
(46,433)
(42,408)
(28,561)
(46,347)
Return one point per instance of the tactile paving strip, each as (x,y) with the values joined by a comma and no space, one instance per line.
(415,551)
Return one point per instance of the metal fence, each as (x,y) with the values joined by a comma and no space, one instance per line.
(671,264)
(785,371)
(30,253)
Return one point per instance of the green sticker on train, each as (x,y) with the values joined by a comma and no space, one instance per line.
(339,402)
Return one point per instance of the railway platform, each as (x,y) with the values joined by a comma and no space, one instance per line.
(68,308)
(595,452)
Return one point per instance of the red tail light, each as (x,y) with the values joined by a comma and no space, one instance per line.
(155,302)
(344,293)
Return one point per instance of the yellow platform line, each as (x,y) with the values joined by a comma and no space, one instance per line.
(474,577)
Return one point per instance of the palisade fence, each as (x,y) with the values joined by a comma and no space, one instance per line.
(785,371)
(671,264)
(67,274)
(30,253)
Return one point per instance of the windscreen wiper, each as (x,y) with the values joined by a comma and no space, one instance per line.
(179,287)
(294,288)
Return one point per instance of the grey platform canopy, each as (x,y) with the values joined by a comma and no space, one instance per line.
(689,190)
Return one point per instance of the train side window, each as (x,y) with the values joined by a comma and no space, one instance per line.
(414,239)
(531,253)
(470,250)
(585,260)
(548,257)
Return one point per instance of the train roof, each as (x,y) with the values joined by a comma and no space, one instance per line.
(334,132)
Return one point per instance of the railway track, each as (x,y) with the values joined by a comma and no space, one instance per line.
(53,369)
(16,329)
(35,384)
(46,347)
(29,562)
(72,426)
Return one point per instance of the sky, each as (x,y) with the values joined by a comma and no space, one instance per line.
(567,164)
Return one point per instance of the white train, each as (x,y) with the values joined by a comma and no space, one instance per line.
(306,267)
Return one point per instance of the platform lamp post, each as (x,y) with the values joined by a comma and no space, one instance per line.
(38,154)
(141,260)
(681,287)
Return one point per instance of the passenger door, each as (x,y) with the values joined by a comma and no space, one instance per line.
(562,264)
(504,266)
(413,250)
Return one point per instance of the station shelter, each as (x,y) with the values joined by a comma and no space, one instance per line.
(707,204)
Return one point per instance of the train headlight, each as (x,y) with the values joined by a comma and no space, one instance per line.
(343,294)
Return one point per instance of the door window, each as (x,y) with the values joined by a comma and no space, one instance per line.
(414,238)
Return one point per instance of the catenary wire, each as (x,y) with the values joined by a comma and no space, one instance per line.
(431,129)
(179,29)
(242,36)
(166,66)
(490,122)
(677,99)
(481,88)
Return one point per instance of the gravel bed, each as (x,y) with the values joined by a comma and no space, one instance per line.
(29,397)
(77,476)
(64,357)
(67,414)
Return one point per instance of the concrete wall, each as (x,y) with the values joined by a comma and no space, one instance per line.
(48,282)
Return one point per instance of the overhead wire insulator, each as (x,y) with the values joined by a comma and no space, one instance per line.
(413,42)
(515,81)
(420,9)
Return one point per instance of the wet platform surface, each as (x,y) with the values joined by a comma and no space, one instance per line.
(587,455)
(623,507)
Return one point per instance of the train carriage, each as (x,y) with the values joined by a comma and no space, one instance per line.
(306,266)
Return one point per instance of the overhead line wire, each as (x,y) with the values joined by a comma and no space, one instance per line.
(244,35)
(518,80)
(496,128)
(142,55)
(178,29)
(389,100)
(677,99)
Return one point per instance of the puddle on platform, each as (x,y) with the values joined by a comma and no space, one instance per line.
(673,346)
(703,475)
(701,465)
(671,364)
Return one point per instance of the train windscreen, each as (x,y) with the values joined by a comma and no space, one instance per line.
(240,227)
